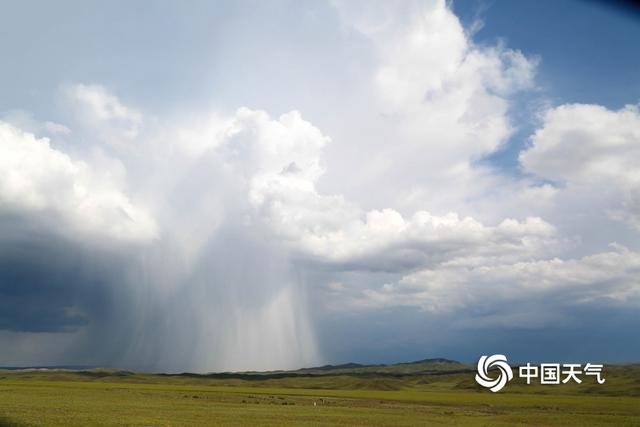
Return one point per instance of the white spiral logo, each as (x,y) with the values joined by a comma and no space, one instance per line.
(499,361)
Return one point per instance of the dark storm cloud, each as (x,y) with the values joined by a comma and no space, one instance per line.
(39,283)
(90,289)
(594,333)
(49,283)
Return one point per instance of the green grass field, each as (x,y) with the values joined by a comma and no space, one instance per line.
(403,395)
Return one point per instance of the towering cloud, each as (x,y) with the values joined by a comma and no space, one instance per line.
(182,278)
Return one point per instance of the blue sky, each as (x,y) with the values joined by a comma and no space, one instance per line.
(583,45)
(253,185)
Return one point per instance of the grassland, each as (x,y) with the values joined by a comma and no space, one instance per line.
(424,393)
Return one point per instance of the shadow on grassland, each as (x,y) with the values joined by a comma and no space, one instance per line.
(6,422)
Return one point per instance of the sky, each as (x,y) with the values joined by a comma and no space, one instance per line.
(223,186)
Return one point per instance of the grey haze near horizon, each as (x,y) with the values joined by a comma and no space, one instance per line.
(234,186)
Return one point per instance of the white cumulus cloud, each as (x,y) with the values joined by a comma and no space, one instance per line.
(35,178)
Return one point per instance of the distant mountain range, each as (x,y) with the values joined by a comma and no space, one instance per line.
(51,367)
(418,366)
(425,366)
